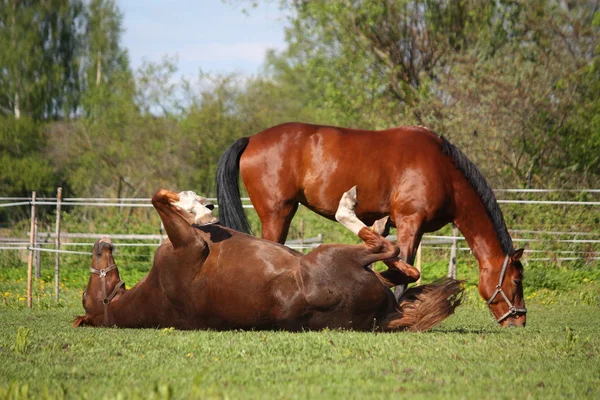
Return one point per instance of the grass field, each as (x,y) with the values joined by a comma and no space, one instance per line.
(557,355)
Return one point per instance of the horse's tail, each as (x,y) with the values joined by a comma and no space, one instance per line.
(231,212)
(422,307)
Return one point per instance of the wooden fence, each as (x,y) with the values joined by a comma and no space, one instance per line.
(38,240)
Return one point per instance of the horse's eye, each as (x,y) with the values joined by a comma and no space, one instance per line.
(517,282)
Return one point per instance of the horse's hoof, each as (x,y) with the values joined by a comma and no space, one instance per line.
(352,194)
(349,199)
(382,226)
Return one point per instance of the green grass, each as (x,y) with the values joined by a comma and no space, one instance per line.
(467,356)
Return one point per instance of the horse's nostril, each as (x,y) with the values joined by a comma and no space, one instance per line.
(210,206)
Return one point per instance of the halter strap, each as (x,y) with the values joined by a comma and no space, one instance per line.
(512,310)
(107,299)
(103,272)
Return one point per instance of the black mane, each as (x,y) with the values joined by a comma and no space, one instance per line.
(484,191)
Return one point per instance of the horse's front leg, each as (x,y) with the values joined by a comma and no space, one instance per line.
(400,270)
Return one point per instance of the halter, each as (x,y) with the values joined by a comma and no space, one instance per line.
(512,310)
(107,299)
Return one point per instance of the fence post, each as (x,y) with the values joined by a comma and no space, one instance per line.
(452,263)
(36,254)
(31,245)
(301,235)
(57,245)
(418,260)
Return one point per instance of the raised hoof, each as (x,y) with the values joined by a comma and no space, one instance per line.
(349,199)
(382,226)
(352,194)
(165,195)
(400,272)
(397,277)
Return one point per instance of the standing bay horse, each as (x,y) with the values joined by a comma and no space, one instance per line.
(418,178)
(206,276)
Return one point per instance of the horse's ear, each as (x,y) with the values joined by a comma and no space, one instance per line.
(80,321)
(516,256)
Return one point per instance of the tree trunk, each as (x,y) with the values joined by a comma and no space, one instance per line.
(17,107)
(99,69)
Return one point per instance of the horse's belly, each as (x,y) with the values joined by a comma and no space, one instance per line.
(323,197)
(244,291)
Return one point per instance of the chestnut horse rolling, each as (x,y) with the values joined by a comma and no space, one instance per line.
(419,179)
(206,276)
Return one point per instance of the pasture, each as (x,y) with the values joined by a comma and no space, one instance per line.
(467,356)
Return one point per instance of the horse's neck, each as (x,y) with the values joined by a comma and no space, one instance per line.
(128,308)
(477,227)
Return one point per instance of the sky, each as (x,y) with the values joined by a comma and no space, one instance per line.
(206,35)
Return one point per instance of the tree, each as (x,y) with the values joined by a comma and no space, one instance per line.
(502,78)
(524,102)
(39,74)
(105,62)
(22,170)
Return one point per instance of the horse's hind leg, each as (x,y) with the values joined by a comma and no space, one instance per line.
(399,271)
(175,218)
(345,214)
(375,242)
(276,220)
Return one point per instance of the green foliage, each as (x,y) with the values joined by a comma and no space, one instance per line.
(22,170)
(38,50)
(106,58)
(55,52)
(353,63)
(444,64)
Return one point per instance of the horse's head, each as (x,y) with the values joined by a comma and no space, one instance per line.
(104,284)
(503,289)
(195,209)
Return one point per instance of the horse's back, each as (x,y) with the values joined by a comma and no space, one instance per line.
(315,165)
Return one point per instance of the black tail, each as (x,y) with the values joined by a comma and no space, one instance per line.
(231,212)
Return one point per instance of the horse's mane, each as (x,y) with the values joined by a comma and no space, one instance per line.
(484,191)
